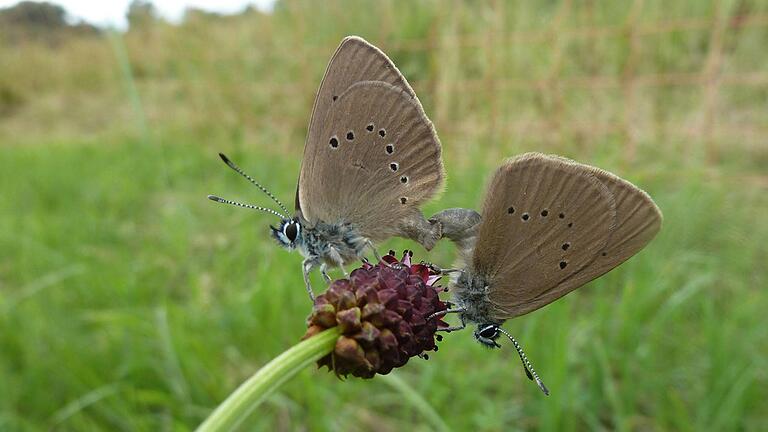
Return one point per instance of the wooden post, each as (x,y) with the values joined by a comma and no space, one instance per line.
(553,87)
(711,82)
(629,85)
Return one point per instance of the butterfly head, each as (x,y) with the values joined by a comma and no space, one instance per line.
(289,233)
(487,334)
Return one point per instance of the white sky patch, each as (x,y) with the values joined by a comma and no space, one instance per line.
(112,12)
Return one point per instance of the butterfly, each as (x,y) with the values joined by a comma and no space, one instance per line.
(548,226)
(371,159)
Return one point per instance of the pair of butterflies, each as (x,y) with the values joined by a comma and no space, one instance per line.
(548,225)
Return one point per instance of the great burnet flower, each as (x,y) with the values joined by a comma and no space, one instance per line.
(382,312)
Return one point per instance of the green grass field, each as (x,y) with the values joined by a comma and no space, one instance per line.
(130,302)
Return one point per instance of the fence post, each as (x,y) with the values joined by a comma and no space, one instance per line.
(491,45)
(554,88)
(711,81)
(629,85)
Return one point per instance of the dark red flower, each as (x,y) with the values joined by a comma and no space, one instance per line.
(382,312)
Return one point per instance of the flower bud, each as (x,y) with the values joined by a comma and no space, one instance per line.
(383,314)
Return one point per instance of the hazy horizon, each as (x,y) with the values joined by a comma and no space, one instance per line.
(112,13)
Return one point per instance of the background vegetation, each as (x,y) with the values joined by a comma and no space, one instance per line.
(130,302)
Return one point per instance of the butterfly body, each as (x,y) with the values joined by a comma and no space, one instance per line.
(330,244)
(371,159)
(548,226)
(470,294)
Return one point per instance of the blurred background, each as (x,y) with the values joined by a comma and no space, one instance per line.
(130,302)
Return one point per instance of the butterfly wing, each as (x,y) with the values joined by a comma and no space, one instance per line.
(544,220)
(375,161)
(638,220)
(582,223)
(355,60)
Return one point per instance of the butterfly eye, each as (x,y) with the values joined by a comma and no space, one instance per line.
(291,231)
(489,332)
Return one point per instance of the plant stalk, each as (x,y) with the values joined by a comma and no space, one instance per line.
(269,378)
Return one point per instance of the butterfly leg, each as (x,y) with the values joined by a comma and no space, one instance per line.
(442,271)
(306,267)
(376,254)
(370,245)
(454,328)
(324,272)
(336,258)
(447,311)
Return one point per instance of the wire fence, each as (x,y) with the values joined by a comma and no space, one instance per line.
(629,78)
(703,125)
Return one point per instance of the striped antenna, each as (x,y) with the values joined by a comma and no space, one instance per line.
(526,364)
(248,206)
(250,179)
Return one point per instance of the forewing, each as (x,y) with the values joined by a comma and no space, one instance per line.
(545,219)
(355,60)
(377,161)
(638,220)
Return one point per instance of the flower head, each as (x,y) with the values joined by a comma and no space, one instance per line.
(382,311)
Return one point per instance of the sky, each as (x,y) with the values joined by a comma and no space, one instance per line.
(112,12)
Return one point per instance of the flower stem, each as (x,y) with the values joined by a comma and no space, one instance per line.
(252,392)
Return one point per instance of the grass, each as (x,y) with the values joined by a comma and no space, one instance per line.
(130,302)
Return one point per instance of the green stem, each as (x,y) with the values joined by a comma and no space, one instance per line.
(416,400)
(252,392)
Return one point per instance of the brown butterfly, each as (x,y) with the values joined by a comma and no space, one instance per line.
(549,225)
(371,159)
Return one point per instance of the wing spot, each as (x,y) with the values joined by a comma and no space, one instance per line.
(525,216)
(566,245)
(403,200)
(334,142)
(544,213)
(335,97)
(394,166)
(570,224)
(511,210)
(563,264)
(404,179)
(369,128)
(604,253)
(561,215)
(382,133)
(350,136)
(390,148)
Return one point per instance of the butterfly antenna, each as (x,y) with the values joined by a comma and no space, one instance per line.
(526,364)
(250,179)
(248,206)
